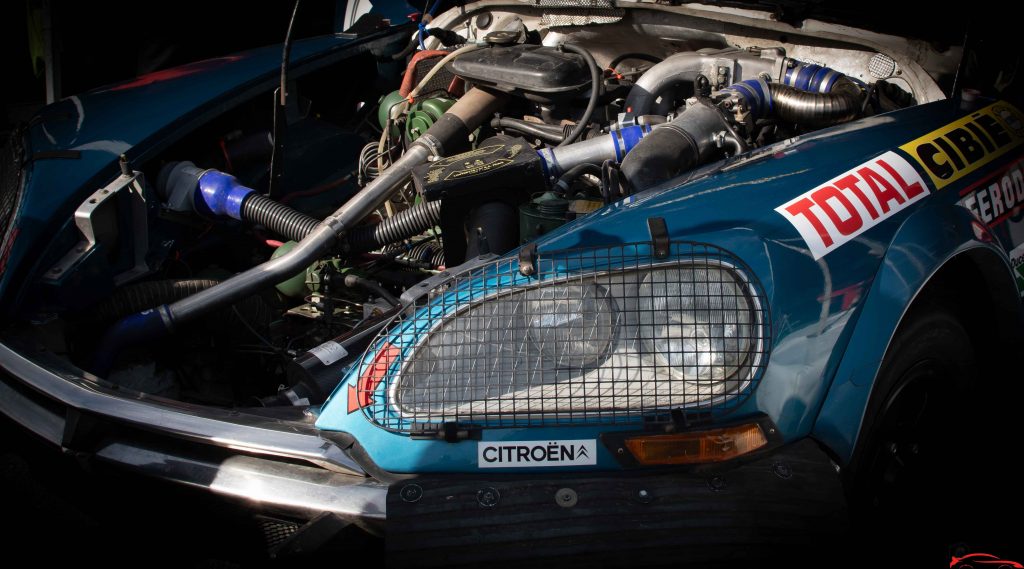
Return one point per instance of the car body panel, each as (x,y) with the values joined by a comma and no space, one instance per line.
(832,316)
(816,305)
(137,118)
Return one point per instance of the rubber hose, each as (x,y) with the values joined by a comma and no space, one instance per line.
(529,128)
(145,295)
(613,64)
(595,91)
(661,155)
(277,217)
(403,225)
(565,181)
(353,281)
(815,109)
(676,147)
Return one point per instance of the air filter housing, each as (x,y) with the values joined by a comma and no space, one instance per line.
(536,72)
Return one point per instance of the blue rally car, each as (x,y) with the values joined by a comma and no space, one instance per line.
(531,279)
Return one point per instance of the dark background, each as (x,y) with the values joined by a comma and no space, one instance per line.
(60,506)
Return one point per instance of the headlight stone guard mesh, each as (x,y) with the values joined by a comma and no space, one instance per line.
(603,335)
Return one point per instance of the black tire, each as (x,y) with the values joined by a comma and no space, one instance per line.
(960,486)
(899,478)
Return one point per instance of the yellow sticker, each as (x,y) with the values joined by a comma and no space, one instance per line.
(961,147)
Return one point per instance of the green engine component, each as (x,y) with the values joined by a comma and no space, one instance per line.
(386,103)
(424,114)
(309,280)
(419,117)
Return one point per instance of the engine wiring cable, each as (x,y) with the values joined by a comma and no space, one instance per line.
(280,111)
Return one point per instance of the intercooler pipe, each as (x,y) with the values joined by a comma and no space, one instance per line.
(806,91)
(214,193)
(797,105)
(448,133)
(674,69)
(613,146)
(673,148)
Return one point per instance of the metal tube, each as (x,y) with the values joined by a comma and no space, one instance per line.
(612,146)
(675,69)
(468,112)
(316,244)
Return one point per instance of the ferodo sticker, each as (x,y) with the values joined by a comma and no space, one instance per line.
(961,147)
(520,454)
(997,198)
(853,202)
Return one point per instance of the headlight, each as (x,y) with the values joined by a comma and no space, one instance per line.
(572,326)
(576,343)
(697,320)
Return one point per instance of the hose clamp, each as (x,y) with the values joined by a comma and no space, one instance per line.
(432,144)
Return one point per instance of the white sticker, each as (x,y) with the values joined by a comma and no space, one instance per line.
(853,202)
(519,454)
(329,352)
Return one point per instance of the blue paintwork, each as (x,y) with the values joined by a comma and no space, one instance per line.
(848,302)
(220,194)
(138,118)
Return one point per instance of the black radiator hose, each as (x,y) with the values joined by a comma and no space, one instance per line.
(277,217)
(548,133)
(675,147)
(251,312)
(211,193)
(403,225)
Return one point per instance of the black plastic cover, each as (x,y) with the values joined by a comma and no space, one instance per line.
(479,191)
(499,165)
(544,72)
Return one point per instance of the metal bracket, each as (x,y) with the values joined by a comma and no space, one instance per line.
(528,259)
(421,289)
(101,226)
(659,236)
(449,432)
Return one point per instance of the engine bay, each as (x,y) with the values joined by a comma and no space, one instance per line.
(253,260)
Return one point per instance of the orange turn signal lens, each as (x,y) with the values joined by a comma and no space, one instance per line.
(715,445)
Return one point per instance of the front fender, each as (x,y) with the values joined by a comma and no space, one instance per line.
(916,253)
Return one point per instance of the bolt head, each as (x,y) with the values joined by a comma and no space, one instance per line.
(488,497)
(411,493)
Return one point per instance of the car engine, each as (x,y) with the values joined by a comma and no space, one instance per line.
(268,263)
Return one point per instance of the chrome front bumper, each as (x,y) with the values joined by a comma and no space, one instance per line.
(276,465)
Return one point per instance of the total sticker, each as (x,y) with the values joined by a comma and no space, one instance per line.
(329,352)
(839,210)
(522,454)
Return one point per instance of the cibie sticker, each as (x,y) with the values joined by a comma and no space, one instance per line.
(853,202)
(520,454)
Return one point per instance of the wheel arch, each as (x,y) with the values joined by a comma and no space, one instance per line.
(955,267)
